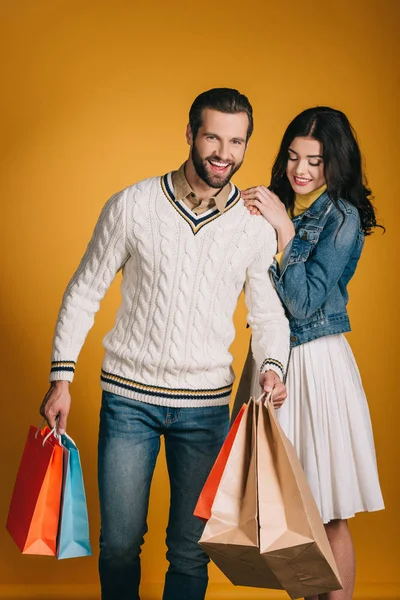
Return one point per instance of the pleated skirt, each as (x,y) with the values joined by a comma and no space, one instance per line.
(327,419)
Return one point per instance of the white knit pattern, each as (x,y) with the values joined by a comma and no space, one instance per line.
(171,338)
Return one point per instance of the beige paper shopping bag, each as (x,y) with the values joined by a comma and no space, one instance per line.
(265,529)
(231,536)
(293,541)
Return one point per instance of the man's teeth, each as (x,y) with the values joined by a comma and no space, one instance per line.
(219,164)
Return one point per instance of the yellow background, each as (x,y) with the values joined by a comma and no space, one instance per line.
(95,96)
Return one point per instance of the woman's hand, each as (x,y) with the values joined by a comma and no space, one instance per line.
(267,204)
(260,200)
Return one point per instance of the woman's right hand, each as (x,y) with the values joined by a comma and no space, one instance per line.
(260,200)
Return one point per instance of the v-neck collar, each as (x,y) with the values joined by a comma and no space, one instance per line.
(196,222)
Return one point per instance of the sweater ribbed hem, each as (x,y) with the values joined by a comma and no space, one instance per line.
(161,396)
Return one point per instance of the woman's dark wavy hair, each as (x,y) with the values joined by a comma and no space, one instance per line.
(342,161)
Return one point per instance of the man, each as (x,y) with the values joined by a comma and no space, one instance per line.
(187,246)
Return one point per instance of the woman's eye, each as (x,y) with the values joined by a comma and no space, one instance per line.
(315,164)
(292,158)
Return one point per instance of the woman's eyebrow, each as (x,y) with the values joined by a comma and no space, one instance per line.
(308,155)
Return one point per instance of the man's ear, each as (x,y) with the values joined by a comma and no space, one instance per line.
(189,135)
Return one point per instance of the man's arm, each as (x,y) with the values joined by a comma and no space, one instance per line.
(270,327)
(104,257)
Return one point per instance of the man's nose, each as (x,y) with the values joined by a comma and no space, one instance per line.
(223,150)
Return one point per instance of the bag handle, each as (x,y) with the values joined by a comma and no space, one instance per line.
(51,432)
(264,396)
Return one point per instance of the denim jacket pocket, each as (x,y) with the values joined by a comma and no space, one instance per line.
(310,233)
(299,251)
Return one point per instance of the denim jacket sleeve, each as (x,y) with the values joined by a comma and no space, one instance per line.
(314,261)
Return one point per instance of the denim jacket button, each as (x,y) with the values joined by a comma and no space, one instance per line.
(293,338)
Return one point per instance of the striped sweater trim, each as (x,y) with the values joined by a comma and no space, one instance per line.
(272,362)
(62,365)
(196,222)
(161,392)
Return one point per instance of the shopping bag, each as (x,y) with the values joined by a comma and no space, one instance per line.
(293,542)
(231,535)
(35,503)
(73,536)
(265,529)
(206,498)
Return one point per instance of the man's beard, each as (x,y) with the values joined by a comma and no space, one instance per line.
(213,180)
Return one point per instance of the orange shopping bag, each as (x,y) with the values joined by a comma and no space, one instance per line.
(35,504)
(206,498)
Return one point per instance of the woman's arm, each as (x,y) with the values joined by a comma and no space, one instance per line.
(309,265)
(312,263)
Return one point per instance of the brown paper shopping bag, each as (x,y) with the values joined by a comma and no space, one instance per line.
(207,495)
(231,536)
(265,529)
(293,541)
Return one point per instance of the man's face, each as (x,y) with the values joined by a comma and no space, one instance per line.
(220,145)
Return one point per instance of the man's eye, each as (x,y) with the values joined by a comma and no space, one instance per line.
(211,137)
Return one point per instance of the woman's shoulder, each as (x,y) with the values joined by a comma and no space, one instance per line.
(343,209)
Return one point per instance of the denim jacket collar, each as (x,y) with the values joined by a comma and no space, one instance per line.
(317,208)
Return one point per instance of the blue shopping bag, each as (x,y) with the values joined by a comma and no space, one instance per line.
(73,535)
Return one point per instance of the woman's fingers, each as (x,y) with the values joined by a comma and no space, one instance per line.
(251,190)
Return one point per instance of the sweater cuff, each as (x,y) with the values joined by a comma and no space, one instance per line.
(271,364)
(62,370)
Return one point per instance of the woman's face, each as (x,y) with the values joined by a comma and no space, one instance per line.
(305,166)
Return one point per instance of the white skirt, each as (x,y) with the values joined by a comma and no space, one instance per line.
(327,419)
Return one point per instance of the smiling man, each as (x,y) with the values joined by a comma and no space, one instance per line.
(187,246)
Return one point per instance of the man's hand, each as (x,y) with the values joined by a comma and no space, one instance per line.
(57,403)
(270,382)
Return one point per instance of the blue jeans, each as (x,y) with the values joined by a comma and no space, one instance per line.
(129,442)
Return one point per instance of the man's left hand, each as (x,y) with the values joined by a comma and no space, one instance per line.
(270,382)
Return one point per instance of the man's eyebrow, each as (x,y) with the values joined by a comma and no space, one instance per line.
(239,139)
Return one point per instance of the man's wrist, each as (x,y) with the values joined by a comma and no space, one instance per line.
(60,383)
(271,364)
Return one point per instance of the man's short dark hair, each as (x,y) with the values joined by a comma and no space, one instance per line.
(225,100)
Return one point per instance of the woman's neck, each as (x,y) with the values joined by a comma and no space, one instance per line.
(304,201)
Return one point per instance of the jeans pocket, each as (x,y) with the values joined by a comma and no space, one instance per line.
(120,416)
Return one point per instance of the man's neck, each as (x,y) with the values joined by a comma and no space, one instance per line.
(200,188)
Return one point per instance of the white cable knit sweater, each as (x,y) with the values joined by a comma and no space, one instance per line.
(182,276)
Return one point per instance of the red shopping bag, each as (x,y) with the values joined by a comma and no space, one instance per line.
(35,503)
(207,495)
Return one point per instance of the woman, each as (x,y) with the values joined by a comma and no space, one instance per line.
(319,206)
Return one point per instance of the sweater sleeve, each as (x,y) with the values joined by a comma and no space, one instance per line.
(104,257)
(270,327)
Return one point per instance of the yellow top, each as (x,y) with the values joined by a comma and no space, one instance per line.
(301,203)
(304,201)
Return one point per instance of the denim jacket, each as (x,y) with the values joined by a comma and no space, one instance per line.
(316,267)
